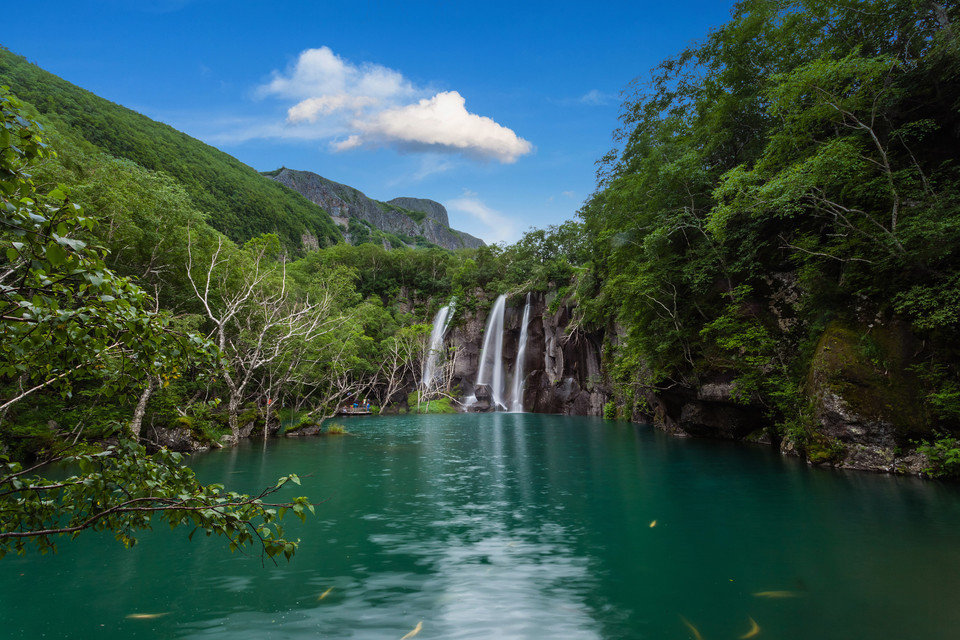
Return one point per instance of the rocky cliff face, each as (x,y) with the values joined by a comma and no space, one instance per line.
(431,208)
(403,216)
(562,371)
(866,398)
(863,404)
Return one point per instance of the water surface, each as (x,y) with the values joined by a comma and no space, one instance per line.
(524,526)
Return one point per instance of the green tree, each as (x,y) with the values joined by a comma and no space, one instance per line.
(64,317)
(797,165)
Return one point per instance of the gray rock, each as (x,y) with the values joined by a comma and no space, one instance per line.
(433,209)
(179,439)
(868,412)
(716,392)
(342,201)
(311,430)
(562,372)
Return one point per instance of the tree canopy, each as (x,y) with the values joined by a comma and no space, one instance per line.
(803,152)
(66,320)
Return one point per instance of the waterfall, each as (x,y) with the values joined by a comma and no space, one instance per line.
(440,323)
(491,356)
(517,396)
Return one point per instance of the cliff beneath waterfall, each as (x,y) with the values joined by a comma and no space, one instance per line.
(561,364)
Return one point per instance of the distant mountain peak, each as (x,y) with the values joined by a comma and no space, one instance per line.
(411,218)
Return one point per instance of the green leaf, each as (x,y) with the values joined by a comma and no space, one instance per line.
(55,254)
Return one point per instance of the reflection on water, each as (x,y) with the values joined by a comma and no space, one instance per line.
(524,526)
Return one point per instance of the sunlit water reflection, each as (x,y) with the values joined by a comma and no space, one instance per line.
(524,526)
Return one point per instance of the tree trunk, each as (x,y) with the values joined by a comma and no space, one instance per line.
(233,408)
(141,409)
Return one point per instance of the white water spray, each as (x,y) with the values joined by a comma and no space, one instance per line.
(516,396)
(441,322)
(491,356)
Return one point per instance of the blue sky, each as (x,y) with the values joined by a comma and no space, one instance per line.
(498,110)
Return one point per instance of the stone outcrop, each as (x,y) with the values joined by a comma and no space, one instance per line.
(431,208)
(180,438)
(708,411)
(410,217)
(866,400)
(183,436)
(561,367)
(310,430)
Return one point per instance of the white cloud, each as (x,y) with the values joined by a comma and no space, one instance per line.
(373,106)
(350,143)
(310,108)
(321,73)
(596,98)
(592,98)
(440,123)
(488,224)
(569,194)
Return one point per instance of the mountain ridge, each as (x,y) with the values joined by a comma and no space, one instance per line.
(240,202)
(404,217)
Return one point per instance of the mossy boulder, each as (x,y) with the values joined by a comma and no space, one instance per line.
(182,434)
(306,427)
(867,403)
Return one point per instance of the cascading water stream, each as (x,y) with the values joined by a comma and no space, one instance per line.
(516,397)
(441,322)
(491,356)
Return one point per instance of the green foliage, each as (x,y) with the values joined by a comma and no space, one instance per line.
(943,454)
(416,216)
(823,450)
(943,389)
(142,217)
(932,305)
(121,489)
(70,327)
(65,316)
(610,411)
(360,233)
(773,177)
(945,401)
(436,405)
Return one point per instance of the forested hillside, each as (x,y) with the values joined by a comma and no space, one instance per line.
(780,228)
(239,201)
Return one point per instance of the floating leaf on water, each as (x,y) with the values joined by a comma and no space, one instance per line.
(754,630)
(693,629)
(146,616)
(415,631)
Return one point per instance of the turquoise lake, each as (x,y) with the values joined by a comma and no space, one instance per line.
(523,526)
